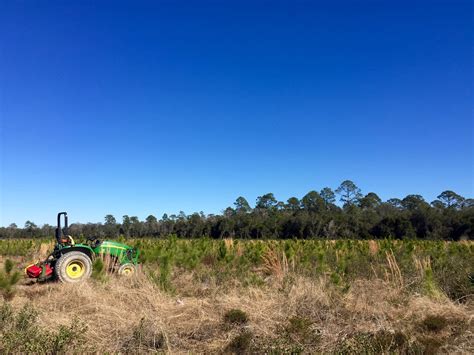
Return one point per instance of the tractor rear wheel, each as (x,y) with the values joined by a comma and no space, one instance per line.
(74,266)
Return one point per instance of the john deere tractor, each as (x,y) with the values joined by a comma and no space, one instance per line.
(72,262)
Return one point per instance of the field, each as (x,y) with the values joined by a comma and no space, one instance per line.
(272,296)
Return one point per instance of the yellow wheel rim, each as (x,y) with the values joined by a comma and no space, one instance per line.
(128,270)
(75,269)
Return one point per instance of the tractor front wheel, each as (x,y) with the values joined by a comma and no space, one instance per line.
(74,266)
(127,269)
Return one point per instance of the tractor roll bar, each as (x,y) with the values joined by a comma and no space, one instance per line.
(59,231)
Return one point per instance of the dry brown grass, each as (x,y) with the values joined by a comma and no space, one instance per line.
(393,275)
(275,263)
(373,247)
(133,315)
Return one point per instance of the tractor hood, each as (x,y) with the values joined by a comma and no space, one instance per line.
(112,244)
(122,251)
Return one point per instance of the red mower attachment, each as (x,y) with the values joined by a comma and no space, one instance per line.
(37,270)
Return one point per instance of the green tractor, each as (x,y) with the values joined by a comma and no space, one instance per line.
(72,262)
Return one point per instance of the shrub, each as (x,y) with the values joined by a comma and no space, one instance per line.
(451,273)
(299,326)
(8,280)
(98,270)
(6,316)
(241,343)
(20,333)
(434,323)
(300,334)
(144,337)
(381,341)
(236,317)
(160,275)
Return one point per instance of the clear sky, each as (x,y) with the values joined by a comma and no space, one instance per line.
(146,107)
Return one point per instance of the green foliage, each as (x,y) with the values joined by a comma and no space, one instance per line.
(434,323)
(349,192)
(236,317)
(340,261)
(299,330)
(312,215)
(451,270)
(98,270)
(380,342)
(21,333)
(429,285)
(165,272)
(20,247)
(8,280)
(160,274)
(8,266)
(298,325)
(241,343)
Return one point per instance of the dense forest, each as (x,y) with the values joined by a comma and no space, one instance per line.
(315,215)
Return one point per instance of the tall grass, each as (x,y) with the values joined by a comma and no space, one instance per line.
(430,267)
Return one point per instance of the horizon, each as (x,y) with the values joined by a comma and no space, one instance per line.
(153,108)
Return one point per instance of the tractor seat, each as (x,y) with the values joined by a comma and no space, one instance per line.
(67,239)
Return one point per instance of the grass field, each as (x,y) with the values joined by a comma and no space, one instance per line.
(205,295)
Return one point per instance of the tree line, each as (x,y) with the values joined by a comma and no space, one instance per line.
(315,215)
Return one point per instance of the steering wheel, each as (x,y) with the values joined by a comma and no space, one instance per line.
(94,241)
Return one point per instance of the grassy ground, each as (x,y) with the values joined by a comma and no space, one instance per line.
(204,296)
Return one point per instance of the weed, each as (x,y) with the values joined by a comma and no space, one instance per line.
(275,263)
(428,282)
(20,333)
(382,341)
(8,280)
(434,323)
(144,337)
(254,280)
(236,317)
(300,333)
(299,325)
(444,267)
(98,270)
(6,315)
(428,344)
(241,343)
(66,336)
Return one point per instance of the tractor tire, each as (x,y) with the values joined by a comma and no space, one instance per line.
(127,269)
(74,266)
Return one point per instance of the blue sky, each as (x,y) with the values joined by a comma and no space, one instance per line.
(148,107)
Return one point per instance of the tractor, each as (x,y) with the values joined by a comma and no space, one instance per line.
(72,262)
